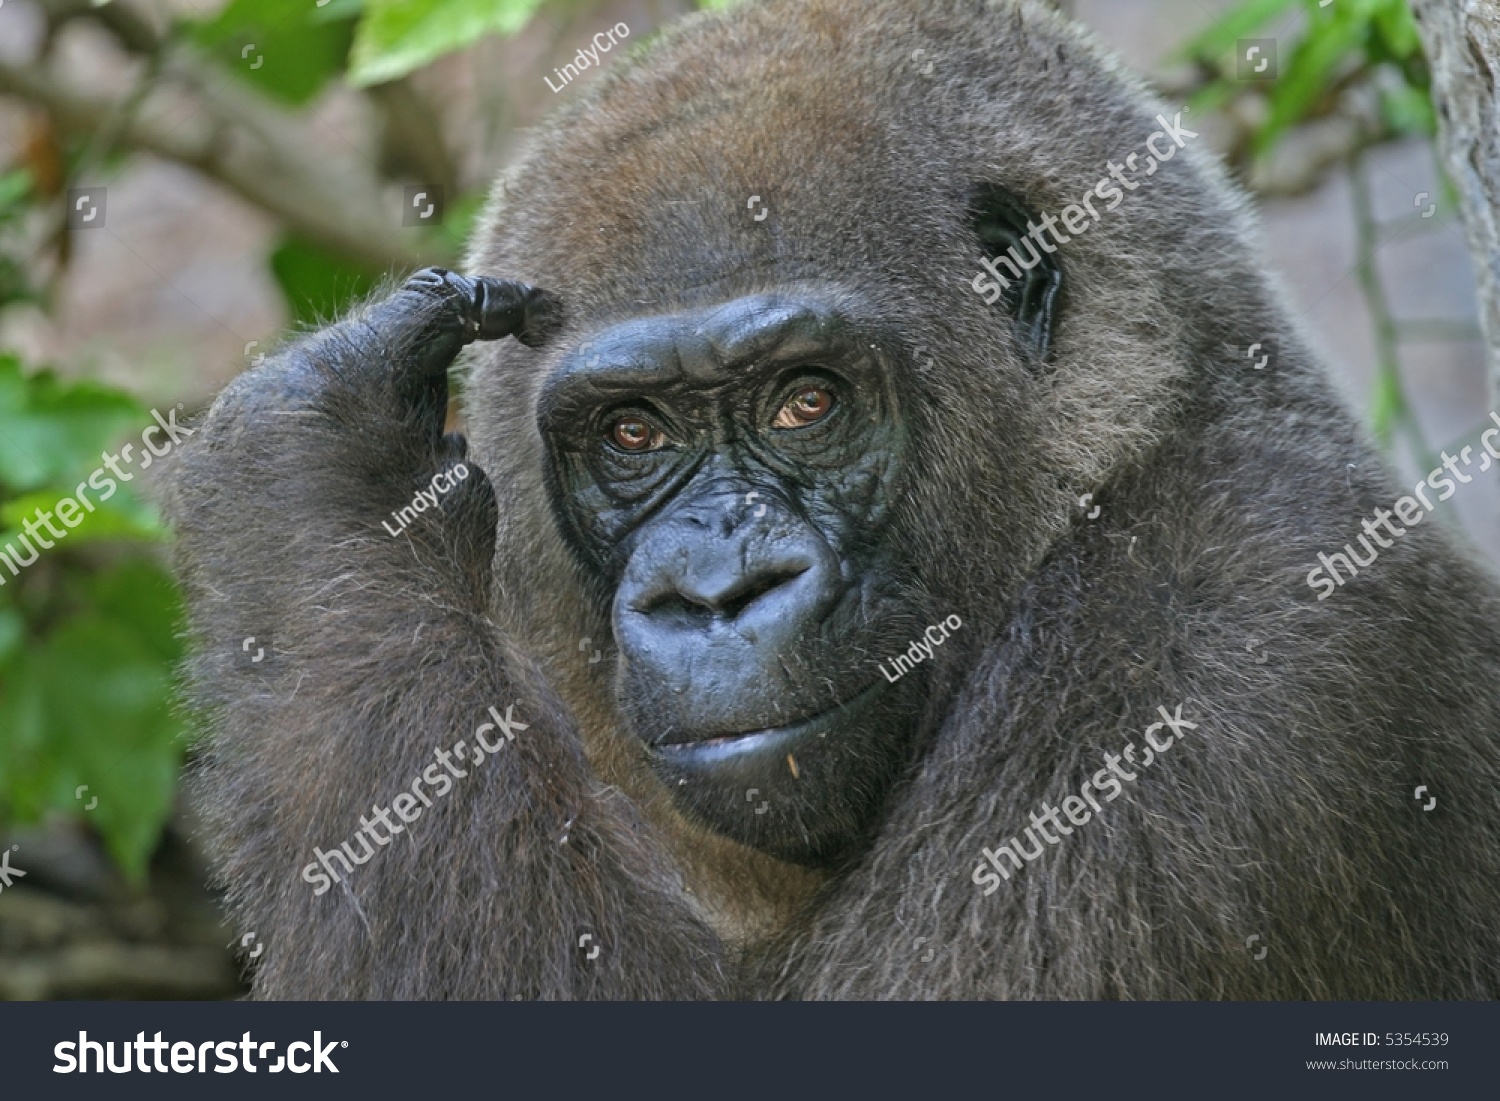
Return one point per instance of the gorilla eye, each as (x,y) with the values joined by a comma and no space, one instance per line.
(631,433)
(1031,292)
(806,406)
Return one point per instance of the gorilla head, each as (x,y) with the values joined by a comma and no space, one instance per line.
(767,491)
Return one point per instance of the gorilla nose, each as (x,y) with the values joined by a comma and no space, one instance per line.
(740,579)
(719,612)
(723,590)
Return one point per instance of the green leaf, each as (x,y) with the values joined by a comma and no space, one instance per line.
(398,36)
(1398,29)
(15,188)
(318,285)
(113,730)
(12,631)
(1319,57)
(121,736)
(334,10)
(1240,22)
(52,431)
(123,516)
(1388,405)
(86,656)
(288,49)
(1212,96)
(141,593)
(1408,110)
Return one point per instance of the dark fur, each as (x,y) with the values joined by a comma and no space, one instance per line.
(1290,816)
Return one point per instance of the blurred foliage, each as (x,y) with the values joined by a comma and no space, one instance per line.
(1339,45)
(15,194)
(287,49)
(397,36)
(88,642)
(87,630)
(315,283)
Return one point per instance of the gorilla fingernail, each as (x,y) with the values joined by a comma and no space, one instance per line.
(543,316)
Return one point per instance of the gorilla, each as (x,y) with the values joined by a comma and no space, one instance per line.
(876,478)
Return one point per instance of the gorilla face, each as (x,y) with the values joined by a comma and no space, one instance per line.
(729,472)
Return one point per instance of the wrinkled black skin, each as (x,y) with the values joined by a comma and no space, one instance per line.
(746,560)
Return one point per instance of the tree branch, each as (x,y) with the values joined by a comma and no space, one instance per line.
(1462,40)
(255,151)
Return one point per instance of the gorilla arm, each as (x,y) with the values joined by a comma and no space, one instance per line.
(379,655)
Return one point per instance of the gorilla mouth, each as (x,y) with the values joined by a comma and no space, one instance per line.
(771,740)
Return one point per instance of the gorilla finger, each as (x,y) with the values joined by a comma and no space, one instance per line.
(436,312)
(507,308)
(491,308)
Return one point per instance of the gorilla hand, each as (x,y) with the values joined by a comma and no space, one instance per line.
(385,653)
(420,329)
(344,428)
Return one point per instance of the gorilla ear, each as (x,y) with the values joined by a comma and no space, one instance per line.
(1001,224)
